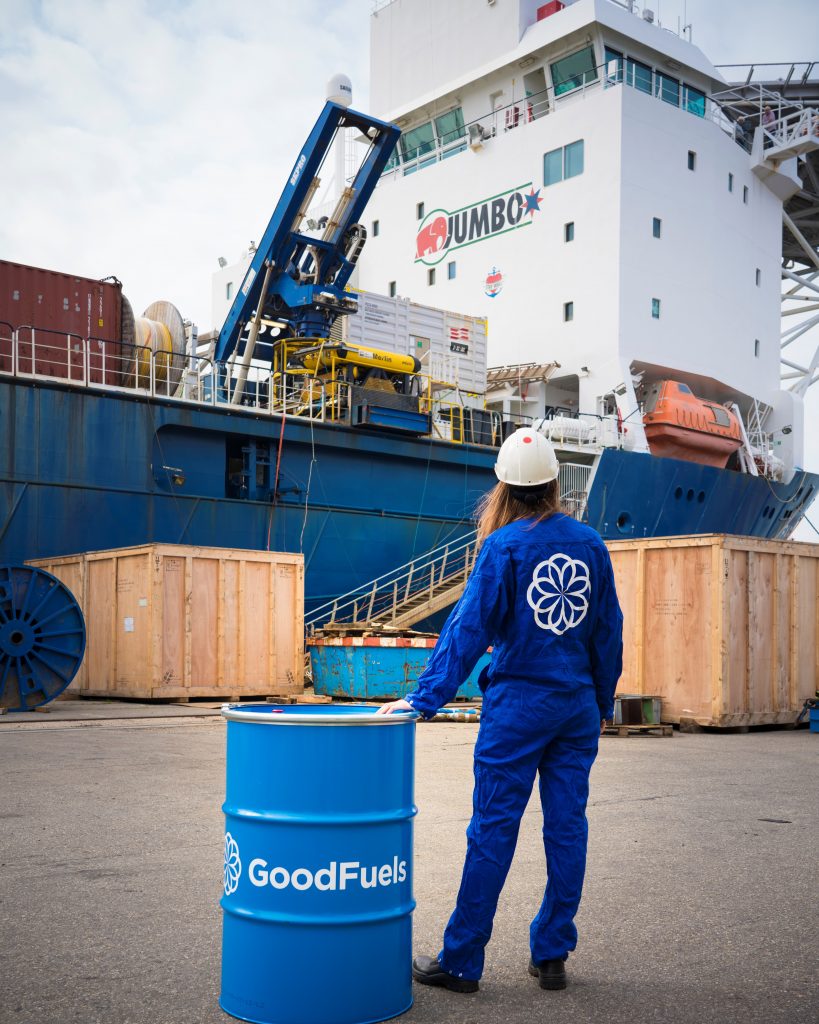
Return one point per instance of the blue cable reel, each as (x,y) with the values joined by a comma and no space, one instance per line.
(42,637)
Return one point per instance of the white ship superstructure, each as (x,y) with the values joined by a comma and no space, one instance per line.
(565,172)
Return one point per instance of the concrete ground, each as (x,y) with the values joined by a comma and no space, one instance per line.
(700,902)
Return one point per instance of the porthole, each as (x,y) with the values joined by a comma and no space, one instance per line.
(678,493)
(624,522)
(701,497)
(690,495)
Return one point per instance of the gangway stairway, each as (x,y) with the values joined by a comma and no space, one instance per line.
(408,594)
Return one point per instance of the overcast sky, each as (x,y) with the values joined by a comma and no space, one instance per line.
(146,138)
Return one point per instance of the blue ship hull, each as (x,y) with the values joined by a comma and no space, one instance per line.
(88,470)
(638,495)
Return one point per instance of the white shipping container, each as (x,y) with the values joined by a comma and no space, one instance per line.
(450,346)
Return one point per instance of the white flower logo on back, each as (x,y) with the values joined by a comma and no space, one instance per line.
(559,593)
(233,865)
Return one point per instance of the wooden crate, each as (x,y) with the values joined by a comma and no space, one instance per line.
(174,622)
(725,629)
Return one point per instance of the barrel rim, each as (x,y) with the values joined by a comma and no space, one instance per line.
(234,713)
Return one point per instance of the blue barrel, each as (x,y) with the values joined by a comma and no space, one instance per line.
(317,923)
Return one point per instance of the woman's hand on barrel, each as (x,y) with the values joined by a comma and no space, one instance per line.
(395,705)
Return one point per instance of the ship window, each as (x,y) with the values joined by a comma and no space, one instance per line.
(393,162)
(568,311)
(730,182)
(684,389)
(692,160)
(418,141)
(656,227)
(756,347)
(573,71)
(655,308)
(391,289)
(376,228)
(614,66)
(568,232)
(668,88)
(745,193)
(573,161)
(451,269)
(638,75)
(720,415)
(419,211)
(563,163)
(450,126)
(553,167)
(431,275)
(694,101)
(229,290)
(758,277)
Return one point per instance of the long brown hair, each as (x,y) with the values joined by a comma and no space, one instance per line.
(498,508)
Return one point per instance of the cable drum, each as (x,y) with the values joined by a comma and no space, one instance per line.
(42,637)
(159,336)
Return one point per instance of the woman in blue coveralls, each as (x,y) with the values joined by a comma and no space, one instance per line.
(542,593)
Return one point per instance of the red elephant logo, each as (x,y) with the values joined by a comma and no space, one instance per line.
(431,238)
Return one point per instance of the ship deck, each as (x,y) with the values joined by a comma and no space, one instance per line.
(696,904)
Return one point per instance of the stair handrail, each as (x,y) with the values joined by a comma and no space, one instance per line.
(399,581)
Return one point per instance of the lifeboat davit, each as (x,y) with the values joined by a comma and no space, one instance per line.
(679,425)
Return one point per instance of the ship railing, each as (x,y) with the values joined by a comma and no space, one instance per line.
(530,108)
(48,355)
(721,108)
(574,487)
(64,357)
(463,424)
(790,74)
(28,352)
(8,349)
(794,131)
(417,582)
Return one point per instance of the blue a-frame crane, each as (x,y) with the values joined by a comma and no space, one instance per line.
(298,279)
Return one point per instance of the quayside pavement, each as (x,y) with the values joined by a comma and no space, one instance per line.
(699,903)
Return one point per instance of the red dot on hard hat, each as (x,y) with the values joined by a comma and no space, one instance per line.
(527,440)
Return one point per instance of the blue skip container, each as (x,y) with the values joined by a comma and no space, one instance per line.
(377,667)
(317,922)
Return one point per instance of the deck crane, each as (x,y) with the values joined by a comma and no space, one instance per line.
(297,279)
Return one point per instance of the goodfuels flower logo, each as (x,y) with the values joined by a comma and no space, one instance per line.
(233,866)
(559,593)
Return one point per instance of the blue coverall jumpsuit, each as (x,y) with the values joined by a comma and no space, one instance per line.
(543,594)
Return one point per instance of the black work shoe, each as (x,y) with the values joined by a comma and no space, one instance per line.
(428,971)
(550,973)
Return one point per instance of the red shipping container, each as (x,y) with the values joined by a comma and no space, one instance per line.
(548,9)
(57,316)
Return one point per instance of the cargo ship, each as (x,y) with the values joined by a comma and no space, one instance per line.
(573,176)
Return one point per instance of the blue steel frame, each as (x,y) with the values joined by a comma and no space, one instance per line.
(309,308)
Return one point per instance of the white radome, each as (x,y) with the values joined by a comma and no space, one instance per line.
(340,90)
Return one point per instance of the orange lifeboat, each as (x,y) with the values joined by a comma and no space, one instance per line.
(679,425)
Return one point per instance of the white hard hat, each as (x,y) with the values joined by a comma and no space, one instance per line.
(526,459)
